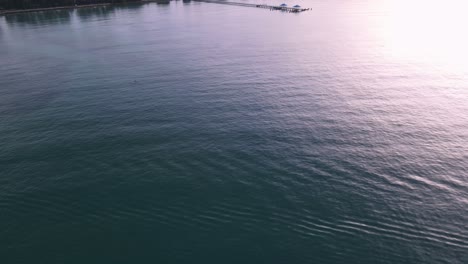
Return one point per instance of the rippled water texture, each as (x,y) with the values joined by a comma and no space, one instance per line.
(205,133)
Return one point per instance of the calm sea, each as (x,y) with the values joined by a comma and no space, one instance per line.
(206,133)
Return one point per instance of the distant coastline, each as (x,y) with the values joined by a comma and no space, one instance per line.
(101,4)
(17,11)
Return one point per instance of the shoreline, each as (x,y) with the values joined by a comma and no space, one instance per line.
(19,11)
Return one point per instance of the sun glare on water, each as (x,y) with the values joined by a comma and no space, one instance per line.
(432,31)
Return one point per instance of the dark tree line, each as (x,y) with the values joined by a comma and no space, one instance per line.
(27,4)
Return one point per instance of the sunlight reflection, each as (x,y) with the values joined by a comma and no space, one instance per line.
(428,31)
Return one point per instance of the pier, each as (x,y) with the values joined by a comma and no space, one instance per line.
(283,7)
(295,9)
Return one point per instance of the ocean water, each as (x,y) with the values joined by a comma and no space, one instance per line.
(205,133)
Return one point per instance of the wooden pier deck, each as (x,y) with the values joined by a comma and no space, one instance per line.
(270,7)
